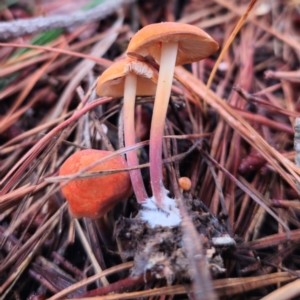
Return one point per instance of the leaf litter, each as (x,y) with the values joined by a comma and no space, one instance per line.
(229,128)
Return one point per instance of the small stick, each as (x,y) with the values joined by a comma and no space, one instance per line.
(89,252)
(68,266)
(121,285)
(228,43)
(13,29)
(91,279)
(297,147)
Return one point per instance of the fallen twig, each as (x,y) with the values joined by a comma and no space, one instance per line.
(10,30)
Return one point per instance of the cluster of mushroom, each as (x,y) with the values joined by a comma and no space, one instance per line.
(169,44)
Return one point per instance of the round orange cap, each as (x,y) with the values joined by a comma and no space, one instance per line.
(93,197)
(111,82)
(193,43)
(185,183)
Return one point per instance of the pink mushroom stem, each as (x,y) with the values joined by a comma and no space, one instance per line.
(129,135)
(163,91)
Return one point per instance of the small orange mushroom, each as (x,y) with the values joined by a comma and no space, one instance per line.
(94,197)
(131,78)
(185,183)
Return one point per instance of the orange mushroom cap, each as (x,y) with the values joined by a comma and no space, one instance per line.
(193,43)
(111,82)
(93,197)
(185,183)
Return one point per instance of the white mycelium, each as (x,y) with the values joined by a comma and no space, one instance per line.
(166,217)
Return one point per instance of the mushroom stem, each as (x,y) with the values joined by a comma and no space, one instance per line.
(129,135)
(163,91)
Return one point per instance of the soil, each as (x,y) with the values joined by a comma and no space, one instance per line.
(160,250)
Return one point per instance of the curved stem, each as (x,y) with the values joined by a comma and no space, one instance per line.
(129,136)
(163,91)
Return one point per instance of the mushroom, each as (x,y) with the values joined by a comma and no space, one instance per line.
(169,44)
(94,197)
(132,78)
(184,183)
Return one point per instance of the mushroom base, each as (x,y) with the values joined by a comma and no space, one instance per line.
(155,216)
(161,250)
